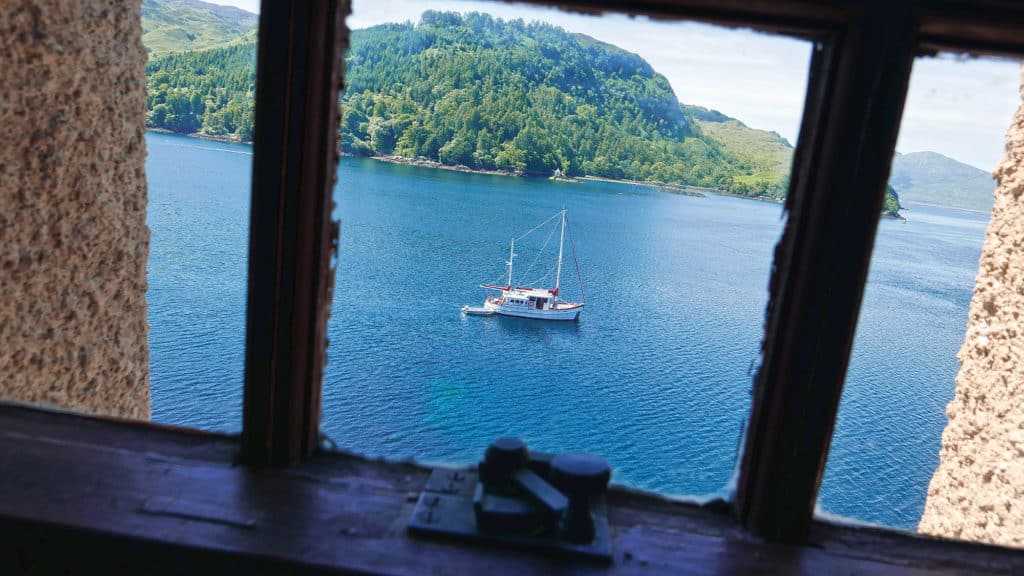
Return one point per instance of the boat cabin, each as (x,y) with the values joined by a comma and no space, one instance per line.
(540,299)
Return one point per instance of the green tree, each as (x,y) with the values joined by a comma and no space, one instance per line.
(492,93)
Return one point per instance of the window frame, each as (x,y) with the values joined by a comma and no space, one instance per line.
(857,86)
(292,236)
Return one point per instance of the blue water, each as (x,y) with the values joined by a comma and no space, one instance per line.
(901,374)
(198,218)
(656,376)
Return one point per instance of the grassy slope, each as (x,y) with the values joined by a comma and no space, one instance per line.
(768,155)
(180,25)
(932,178)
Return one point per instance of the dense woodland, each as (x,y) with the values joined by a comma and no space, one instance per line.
(206,91)
(531,98)
(491,94)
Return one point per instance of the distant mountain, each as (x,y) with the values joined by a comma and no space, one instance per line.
(931,178)
(181,25)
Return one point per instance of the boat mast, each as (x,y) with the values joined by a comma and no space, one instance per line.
(561,240)
(511,255)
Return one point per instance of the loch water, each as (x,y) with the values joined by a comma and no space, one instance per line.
(656,376)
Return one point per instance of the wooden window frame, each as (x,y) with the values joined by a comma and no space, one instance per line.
(85,493)
(857,85)
(292,237)
(856,89)
(859,75)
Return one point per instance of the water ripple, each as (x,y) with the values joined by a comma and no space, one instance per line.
(655,376)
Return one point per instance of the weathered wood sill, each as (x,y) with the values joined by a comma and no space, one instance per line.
(86,495)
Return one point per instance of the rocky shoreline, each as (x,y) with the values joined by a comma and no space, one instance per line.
(681,189)
(428,163)
(201,136)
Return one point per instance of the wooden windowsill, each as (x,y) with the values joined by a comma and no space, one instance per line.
(81,494)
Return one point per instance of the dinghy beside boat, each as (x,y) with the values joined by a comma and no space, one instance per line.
(477,311)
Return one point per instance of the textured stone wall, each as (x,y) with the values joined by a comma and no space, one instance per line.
(977,492)
(73,236)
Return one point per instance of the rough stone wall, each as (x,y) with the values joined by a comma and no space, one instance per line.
(73,235)
(977,492)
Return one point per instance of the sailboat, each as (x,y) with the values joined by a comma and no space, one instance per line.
(531,302)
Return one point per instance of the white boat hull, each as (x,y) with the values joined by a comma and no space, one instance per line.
(563,312)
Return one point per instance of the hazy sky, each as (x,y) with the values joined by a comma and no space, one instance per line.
(958,108)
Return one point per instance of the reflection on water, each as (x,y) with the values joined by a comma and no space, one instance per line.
(543,330)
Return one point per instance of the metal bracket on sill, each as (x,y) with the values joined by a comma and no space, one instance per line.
(547,503)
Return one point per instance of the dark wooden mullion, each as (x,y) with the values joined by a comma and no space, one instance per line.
(290,246)
(859,82)
(974,26)
(806,19)
(786,16)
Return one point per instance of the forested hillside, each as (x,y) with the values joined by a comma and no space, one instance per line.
(492,94)
(207,91)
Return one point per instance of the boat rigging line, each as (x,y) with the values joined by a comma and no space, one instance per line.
(572,245)
(532,230)
(542,279)
(539,253)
